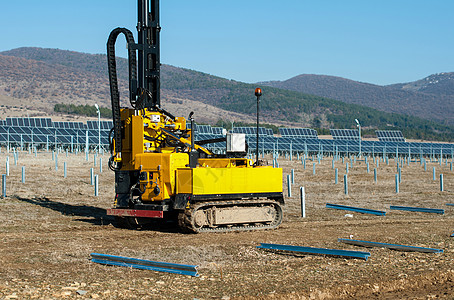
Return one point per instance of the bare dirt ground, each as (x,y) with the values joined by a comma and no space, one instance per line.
(49,225)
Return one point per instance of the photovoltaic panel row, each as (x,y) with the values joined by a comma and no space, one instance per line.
(70,125)
(29,122)
(204,129)
(299,132)
(390,135)
(344,134)
(250,130)
(217,130)
(105,125)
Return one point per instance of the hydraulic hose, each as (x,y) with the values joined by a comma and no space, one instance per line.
(114,93)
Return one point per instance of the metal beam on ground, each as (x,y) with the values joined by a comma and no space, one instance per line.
(356,209)
(418,209)
(319,251)
(450,204)
(122,261)
(390,246)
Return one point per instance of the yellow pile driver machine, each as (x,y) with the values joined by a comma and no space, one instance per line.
(162,171)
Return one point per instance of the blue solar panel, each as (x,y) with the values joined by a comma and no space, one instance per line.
(390,135)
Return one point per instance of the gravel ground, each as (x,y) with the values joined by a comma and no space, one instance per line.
(51,224)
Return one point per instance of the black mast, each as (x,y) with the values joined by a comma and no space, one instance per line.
(148,53)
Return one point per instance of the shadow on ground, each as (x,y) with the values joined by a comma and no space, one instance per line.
(97,216)
(91,214)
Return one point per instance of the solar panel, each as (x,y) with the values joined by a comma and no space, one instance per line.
(345,134)
(299,132)
(390,135)
(217,130)
(204,129)
(250,130)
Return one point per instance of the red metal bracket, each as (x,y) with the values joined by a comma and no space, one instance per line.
(139,213)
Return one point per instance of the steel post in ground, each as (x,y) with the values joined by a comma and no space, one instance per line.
(3,185)
(303,202)
(293,176)
(345,185)
(92,176)
(441,183)
(65,173)
(433,173)
(23,175)
(96,185)
(336,173)
(375,175)
(397,184)
(289,186)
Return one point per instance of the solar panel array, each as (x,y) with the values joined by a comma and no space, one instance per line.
(105,125)
(70,125)
(252,130)
(390,135)
(217,130)
(29,122)
(345,134)
(43,131)
(299,132)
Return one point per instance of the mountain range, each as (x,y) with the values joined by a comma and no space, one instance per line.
(429,98)
(33,80)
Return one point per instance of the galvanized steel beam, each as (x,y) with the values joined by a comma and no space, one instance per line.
(356,209)
(144,264)
(418,209)
(390,246)
(320,251)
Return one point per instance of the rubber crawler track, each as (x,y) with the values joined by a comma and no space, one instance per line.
(186,221)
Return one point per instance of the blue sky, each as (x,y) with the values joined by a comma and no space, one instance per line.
(380,42)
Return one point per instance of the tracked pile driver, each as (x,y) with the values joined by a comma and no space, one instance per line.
(161,171)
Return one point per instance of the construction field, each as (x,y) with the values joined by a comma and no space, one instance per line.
(49,225)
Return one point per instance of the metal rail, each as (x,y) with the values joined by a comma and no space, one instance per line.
(450,204)
(356,209)
(390,246)
(419,209)
(319,251)
(144,264)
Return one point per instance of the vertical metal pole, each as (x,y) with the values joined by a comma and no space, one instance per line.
(7,166)
(441,183)
(56,162)
(433,171)
(368,167)
(425,165)
(313,169)
(400,175)
(375,175)
(293,176)
(3,185)
(258,93)
(345,185)
(95,157)
(289,187)
(100,165)
(397,183)
(91,176)
(346,168)
(65,173)
(332,164)
(23,175)
(303,202)
(336,173)
(96,185)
